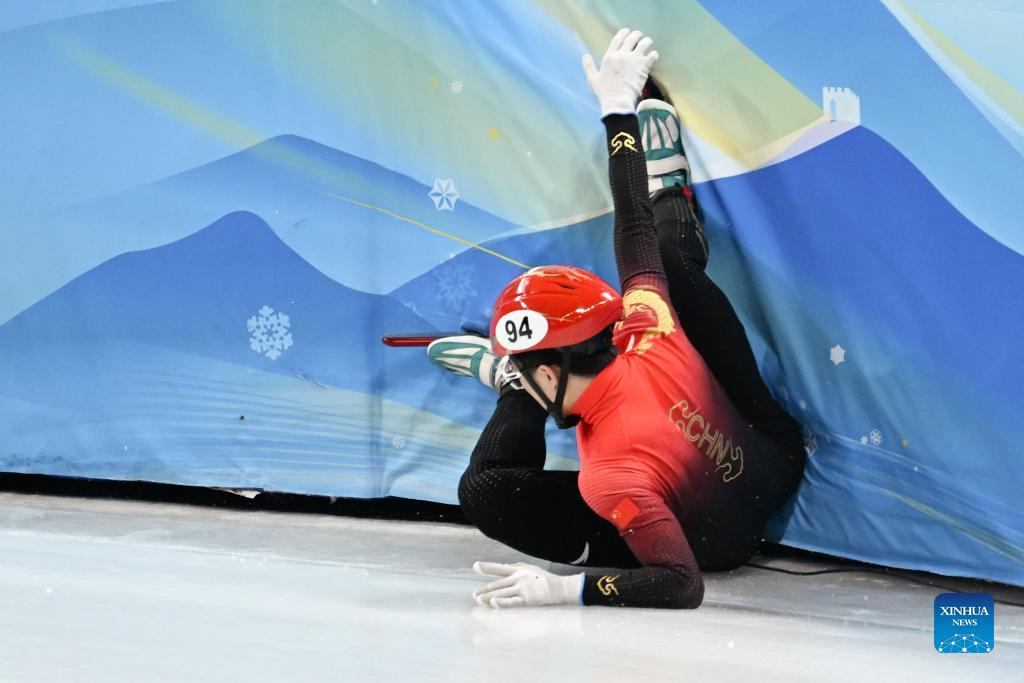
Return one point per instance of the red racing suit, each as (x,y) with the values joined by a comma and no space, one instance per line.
(664,454)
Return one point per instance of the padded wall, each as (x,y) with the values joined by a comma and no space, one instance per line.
(211,211)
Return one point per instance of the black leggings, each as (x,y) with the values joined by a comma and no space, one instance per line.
(508,495)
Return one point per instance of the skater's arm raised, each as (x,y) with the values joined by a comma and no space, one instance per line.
(637,254)
(617,84)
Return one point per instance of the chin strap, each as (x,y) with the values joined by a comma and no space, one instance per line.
(554,408)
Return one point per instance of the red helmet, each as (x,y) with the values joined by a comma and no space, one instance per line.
(549,307)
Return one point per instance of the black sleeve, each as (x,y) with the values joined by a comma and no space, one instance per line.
(509,496)
(670,576)
(636,239)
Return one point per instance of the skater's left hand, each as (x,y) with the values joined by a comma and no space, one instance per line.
(623,72)
(523,585)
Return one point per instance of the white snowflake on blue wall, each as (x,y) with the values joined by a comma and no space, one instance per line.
(444,194)
(269,333)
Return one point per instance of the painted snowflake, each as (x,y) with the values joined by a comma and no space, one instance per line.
(456,87)
(810,442)
(837,354)
(268,333)
(444,194)
(875,437)
(398,442)
(454,284)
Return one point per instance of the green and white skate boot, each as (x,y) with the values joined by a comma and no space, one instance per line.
(662,135)
(668,171)
(471,356)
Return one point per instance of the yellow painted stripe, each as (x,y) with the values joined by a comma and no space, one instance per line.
(999,545)
(1001,92)
(226,129)
(152,93)
(739,103)
(436,231)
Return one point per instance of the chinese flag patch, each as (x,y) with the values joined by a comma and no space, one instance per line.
(624,512)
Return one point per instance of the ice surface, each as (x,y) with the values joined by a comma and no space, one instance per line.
(102,590)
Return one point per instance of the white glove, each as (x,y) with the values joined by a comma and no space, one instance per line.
(523,585)
(623,72)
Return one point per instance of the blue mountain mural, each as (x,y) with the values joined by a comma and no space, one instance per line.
(155,359)
(816,254)
(461,291)
(298,186)
(196,296)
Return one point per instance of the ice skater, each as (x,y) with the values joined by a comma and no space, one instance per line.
(683,451)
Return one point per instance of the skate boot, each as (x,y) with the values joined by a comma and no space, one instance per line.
(668,175)
(662,137)
(471,356)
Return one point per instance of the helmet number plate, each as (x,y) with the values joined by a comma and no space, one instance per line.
(521,330)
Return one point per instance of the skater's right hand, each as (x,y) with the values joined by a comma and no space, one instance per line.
(524,585)
(623,71)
